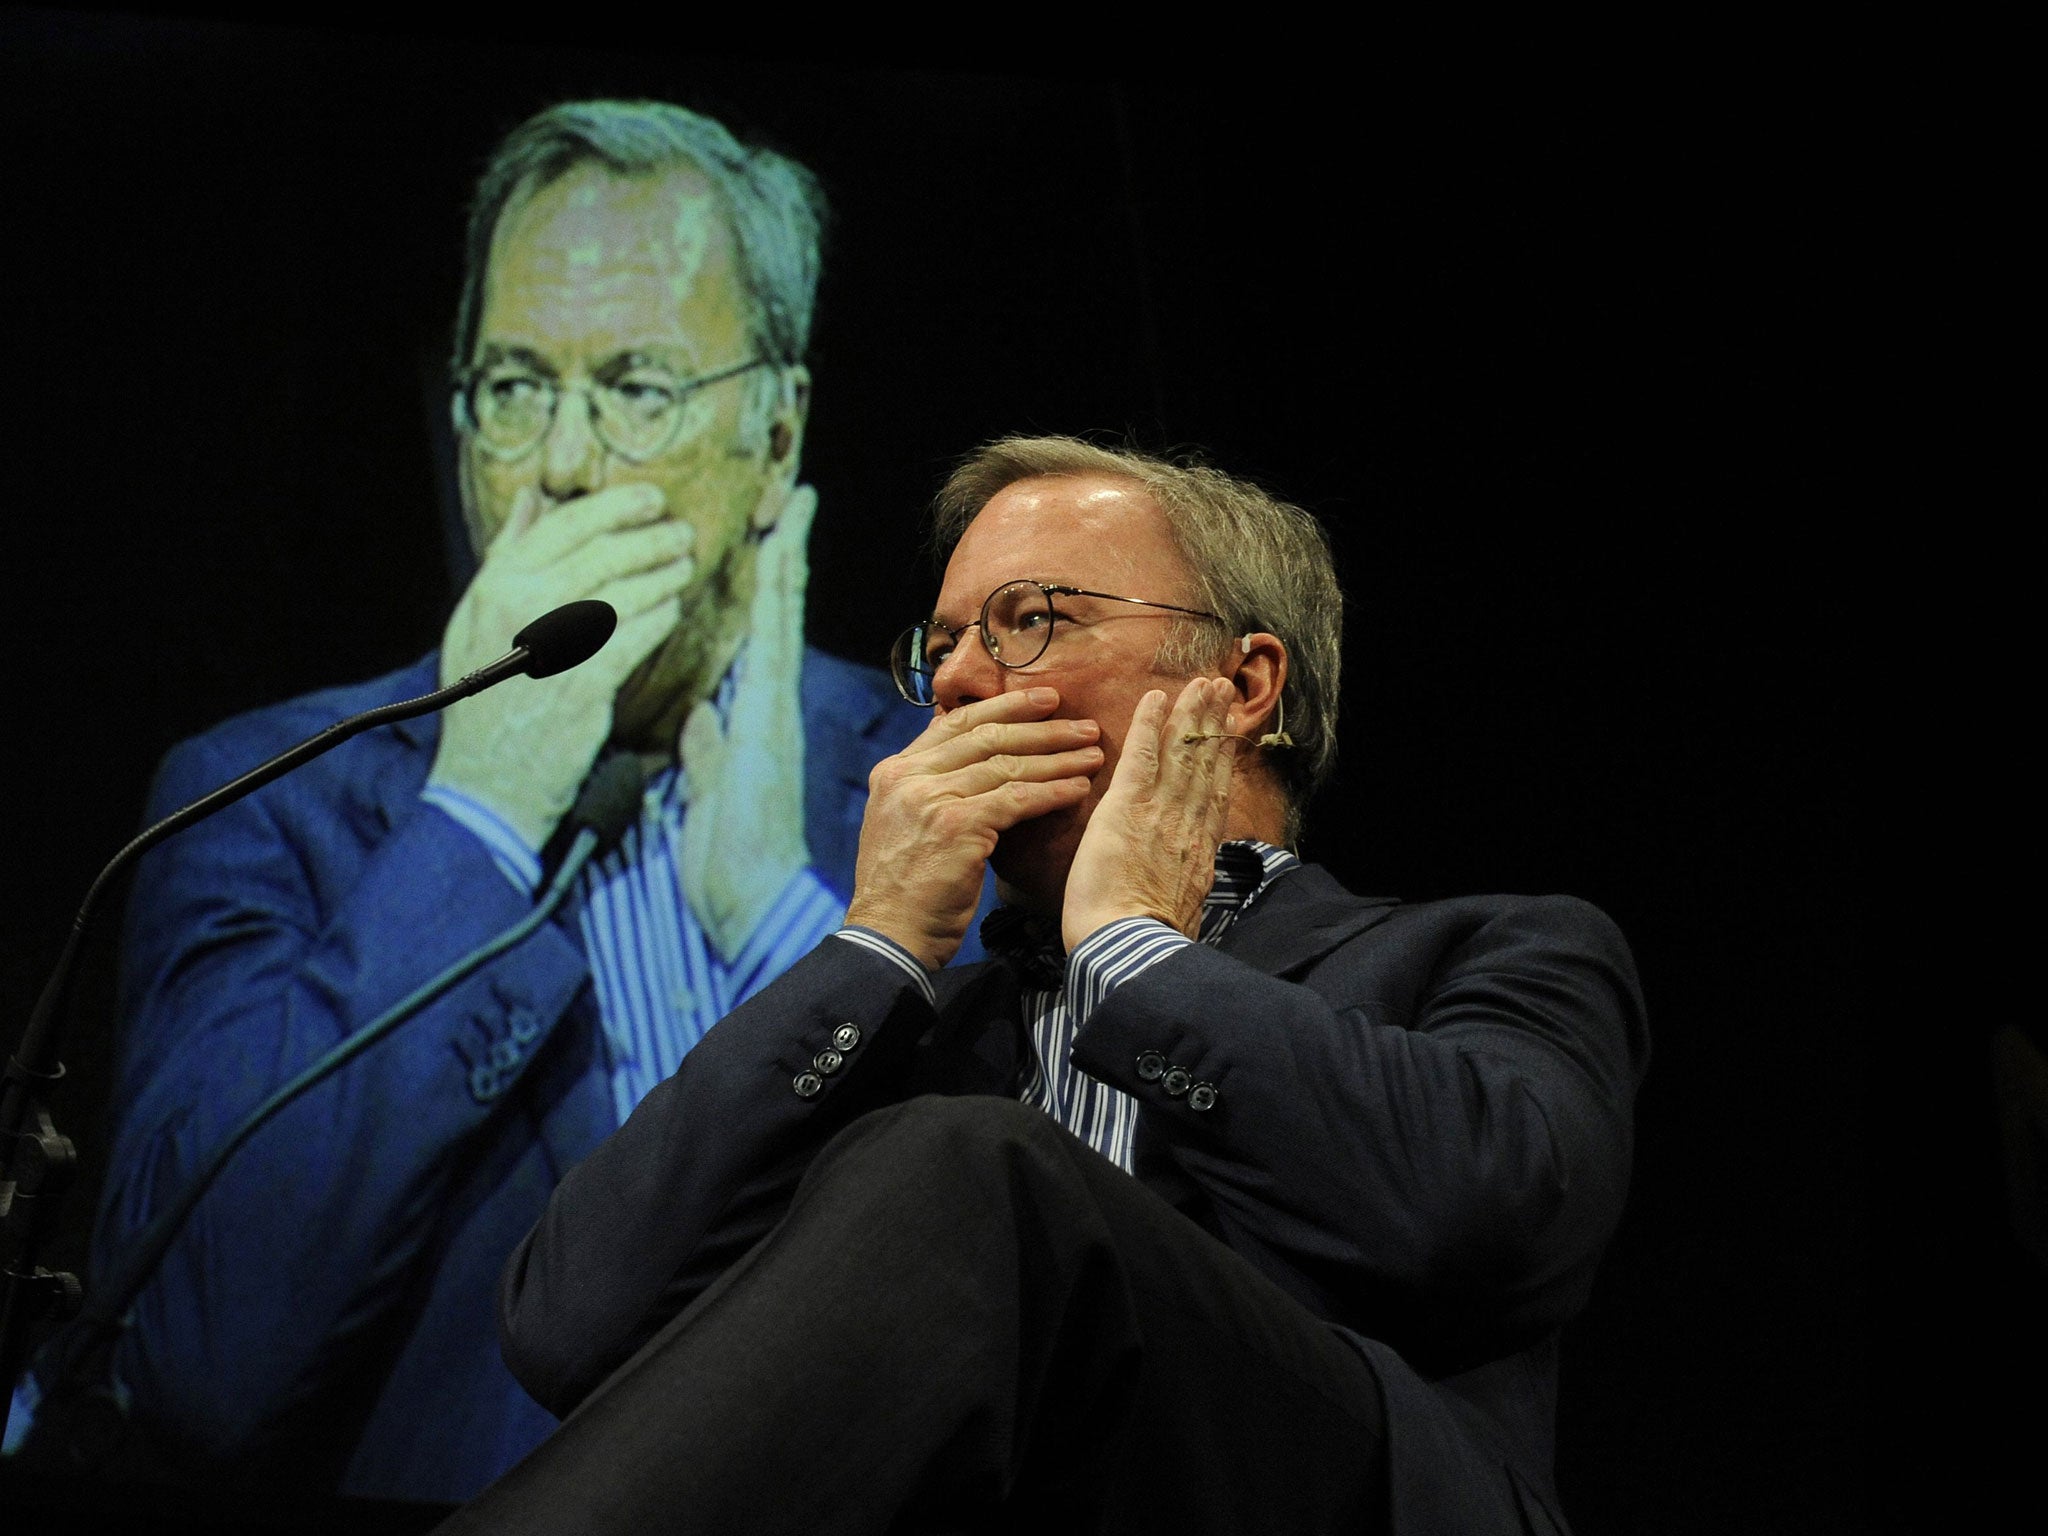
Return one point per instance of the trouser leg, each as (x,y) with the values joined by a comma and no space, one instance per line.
(968,1320)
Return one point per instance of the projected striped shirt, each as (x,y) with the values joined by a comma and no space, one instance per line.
(1103,1116)
(660,982)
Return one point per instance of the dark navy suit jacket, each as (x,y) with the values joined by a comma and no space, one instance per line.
(1422,1133)
(328,1312)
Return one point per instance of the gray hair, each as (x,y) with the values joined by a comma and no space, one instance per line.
(1257,562)
(776,206)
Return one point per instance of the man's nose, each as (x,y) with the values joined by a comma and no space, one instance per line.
(968,673)
(572,459)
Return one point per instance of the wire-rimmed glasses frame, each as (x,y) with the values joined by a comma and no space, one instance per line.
(508,406)
(1016,625)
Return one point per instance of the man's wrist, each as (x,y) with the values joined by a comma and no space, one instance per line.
(517,819)
(881,944)
(518,860)
(1117,952)
(902,935)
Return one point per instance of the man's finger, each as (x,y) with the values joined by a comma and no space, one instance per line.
(992,773)
(1018,801)
(623,553)
(633,642)
(1023,704)
(1137,765)
(1199,753)
(633,595)
(1022,738)
(559,531)
(703,745)
(775,638)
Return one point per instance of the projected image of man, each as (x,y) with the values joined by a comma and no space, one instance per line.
(630,396)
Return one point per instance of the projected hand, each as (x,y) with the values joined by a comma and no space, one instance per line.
(1150,848)
(523,747)
(743,835)
(936,807)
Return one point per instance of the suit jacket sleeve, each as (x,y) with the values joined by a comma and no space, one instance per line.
(256,941)
(703,1168)
(1424,1134)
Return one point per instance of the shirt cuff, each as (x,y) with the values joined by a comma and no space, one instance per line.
(517,862)
(890,950)
(1111,956)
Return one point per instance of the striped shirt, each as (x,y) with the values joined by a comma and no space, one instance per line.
(660,981)
(1059,997)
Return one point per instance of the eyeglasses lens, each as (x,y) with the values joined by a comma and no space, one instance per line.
(634,417)
(911,664)
(1017,623)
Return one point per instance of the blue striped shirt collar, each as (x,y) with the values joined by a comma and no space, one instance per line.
(1244,869)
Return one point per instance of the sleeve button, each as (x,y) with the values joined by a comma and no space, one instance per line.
(1177,1082)
(828,1061)
(808,1085)
(1151,1066)
(1202,1097)
(846,1036)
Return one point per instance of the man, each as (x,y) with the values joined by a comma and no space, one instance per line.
(630,399)
(1302,1185)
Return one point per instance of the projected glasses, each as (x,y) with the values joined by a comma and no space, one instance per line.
(1016,626)
(636,408)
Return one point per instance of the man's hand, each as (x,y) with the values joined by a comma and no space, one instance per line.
(1150,848)
(523,747)
(936,808)
(743,837)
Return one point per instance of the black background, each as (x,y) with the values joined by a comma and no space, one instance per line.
(1570,380)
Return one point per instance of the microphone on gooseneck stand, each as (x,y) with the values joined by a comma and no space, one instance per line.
(608,804)
(34,1158)
(559,639)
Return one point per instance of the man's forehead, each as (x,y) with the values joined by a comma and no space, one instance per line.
(591,219)
(1088,530)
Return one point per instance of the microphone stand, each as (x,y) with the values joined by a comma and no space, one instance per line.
(36,1162)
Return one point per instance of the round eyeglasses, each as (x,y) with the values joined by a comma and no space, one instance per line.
(1016,626)
(636,408)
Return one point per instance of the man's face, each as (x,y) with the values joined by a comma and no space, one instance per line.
(1092,531)
(594,275)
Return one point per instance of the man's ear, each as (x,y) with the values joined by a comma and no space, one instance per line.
(792,406)
(785,444)
(1256,665)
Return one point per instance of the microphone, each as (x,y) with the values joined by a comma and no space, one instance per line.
(607,805)
(562,638)
(554,642)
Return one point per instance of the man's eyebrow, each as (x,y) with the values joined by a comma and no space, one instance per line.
(1059,588)
(639,357)
(526,357)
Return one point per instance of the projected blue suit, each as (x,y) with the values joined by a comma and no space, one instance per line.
(328,1312)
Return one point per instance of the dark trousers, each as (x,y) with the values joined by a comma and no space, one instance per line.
(969,1321)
